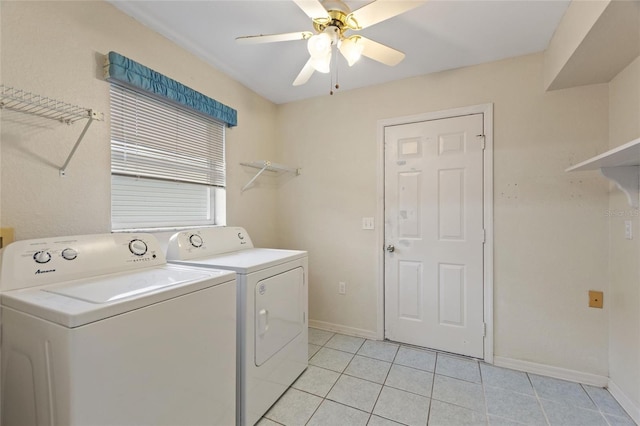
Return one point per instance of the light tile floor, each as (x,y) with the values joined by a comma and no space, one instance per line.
(354,381)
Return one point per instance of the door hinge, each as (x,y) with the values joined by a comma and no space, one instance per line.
(484,236)
(483,141)
(304,317)
(484,329)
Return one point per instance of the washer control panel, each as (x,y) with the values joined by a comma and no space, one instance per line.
(29,263)
(204,242)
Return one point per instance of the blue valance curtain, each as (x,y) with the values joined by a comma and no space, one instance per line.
(121,69)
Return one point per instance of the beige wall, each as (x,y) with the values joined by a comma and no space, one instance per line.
(55,49)
(624,297)
(551,235)
(550,230)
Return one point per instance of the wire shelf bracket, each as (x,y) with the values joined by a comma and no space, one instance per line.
(40,106)
(268,166)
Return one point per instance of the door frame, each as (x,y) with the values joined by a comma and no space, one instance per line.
(487,111)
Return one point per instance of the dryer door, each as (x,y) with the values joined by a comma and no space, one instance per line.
(278,312)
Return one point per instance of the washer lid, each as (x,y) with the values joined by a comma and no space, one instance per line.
(116,288)
(79,302)
(246,261)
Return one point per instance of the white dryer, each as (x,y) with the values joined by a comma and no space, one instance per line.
(272,310)
(100,330)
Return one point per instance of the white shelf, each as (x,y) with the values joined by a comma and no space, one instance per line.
(29,103)
(272,167)
(268,166)
(621,165)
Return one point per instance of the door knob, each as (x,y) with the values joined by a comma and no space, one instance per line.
(391,248)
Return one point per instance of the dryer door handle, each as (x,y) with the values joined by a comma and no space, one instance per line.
(263,321)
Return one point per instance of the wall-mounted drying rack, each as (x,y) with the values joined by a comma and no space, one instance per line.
(268,166)
(621,165)
(28,103)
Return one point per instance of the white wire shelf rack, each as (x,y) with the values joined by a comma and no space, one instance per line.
(19,100)
(266,165)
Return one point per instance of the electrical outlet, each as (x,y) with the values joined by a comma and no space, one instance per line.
(342,287)
(628,230)
(595,299)
(367,223)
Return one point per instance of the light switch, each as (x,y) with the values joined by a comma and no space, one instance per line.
(367,223)
(628,230)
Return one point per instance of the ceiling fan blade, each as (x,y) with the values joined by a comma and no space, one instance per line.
(271,38)
(314,9)
(381,53)
(305,74)
(379,11)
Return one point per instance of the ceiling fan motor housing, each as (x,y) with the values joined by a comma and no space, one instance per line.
(339,14)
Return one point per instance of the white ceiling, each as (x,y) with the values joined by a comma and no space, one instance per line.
(438,35)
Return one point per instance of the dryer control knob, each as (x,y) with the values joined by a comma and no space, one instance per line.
(69,254)
(196,240)
(42,256)
(138,247)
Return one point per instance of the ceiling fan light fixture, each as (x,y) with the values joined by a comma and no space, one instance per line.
(320,48)
(351,48)
(319,44)
(322,63)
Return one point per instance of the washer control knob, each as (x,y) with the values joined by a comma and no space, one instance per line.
(69,254)
(196,240)
(138,247)
(42,256)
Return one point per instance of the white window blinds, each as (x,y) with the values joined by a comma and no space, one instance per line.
(167,164)
(155,139)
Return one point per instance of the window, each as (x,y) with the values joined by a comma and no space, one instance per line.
(167,164)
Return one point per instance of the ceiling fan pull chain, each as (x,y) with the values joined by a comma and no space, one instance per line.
(331,74)
(337,69)
(335,66)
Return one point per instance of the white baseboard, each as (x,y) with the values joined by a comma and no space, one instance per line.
(550,371)
(337,328)
(632,408)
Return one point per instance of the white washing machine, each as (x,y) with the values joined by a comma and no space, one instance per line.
(100,330)
(272,310)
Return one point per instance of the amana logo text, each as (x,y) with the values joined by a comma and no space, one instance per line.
(41,271)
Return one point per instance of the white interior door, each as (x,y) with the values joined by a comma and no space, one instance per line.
(434,234)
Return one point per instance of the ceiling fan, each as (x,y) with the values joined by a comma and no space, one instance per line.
(332,19)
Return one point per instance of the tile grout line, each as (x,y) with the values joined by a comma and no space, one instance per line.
(602,413)
(433,385)
(382,386)
(535,392)
(596,405)
(325,397)
(484,395)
